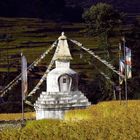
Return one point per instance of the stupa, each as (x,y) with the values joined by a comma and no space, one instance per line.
(62,92)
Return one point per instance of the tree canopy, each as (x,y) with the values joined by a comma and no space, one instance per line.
(101,18)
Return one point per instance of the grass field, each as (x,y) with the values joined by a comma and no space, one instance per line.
(16,116)
(104,121)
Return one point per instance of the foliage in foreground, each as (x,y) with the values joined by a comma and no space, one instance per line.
(104,121)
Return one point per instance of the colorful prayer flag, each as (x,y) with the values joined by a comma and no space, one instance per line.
(128,62)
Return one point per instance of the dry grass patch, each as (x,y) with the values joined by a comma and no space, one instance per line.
(16,116)
(104,121)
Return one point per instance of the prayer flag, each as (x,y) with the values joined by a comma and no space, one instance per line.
(121,69)
(128,62)
(24,76)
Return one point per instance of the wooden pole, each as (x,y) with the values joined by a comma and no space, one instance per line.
(125,79)
(22,91)
(114,92)
(120,94)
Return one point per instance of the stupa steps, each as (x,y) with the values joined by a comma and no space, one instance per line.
(82,100)
(62,106)
(51,97)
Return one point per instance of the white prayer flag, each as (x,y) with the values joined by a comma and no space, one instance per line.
(24,76)
(122,70)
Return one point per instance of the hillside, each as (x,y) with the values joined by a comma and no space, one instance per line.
(34,36)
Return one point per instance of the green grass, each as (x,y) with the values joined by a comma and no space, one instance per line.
(104,121)
(6,70)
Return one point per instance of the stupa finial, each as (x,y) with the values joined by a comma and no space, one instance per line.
(62,37)
(62,33)
(63,52)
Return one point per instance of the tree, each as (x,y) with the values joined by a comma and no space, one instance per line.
(101,18)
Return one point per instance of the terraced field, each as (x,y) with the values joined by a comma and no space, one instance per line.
(32,37)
